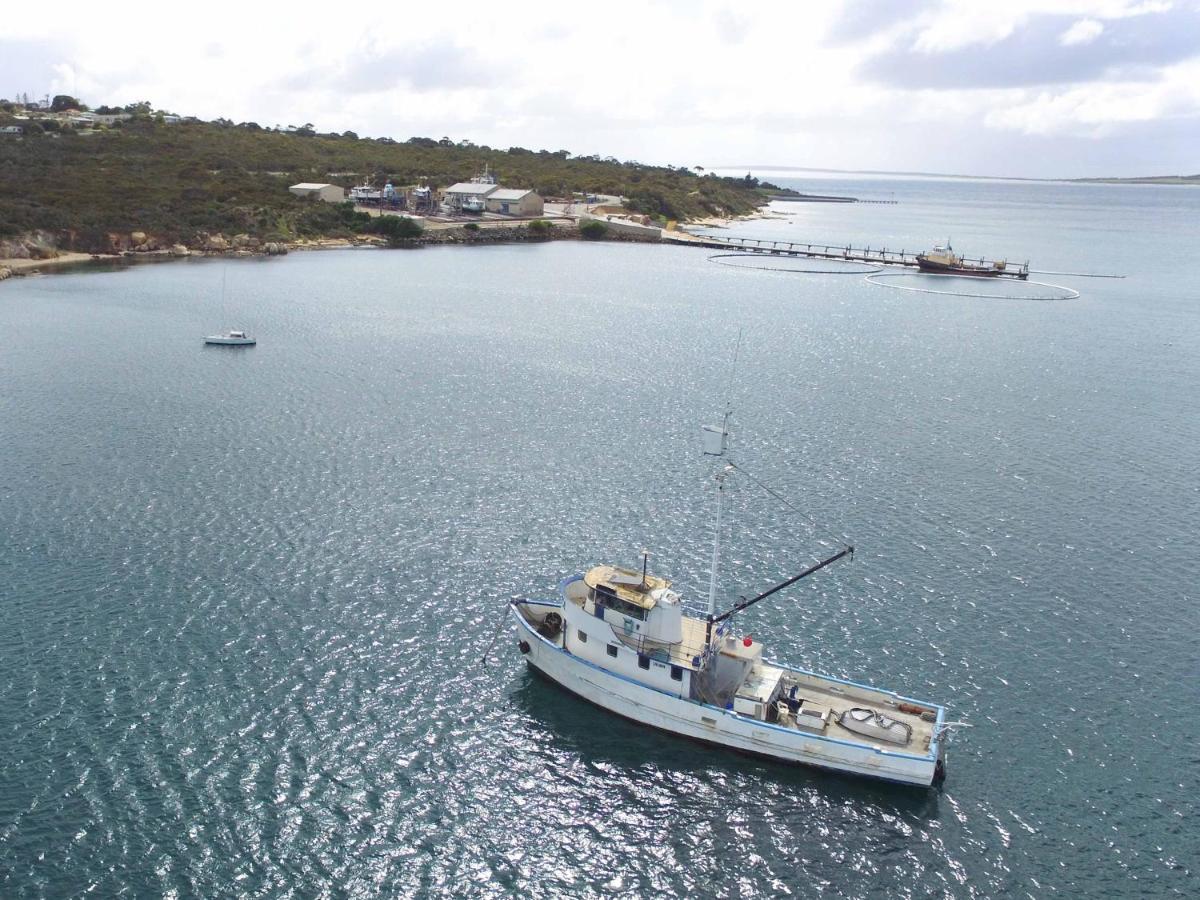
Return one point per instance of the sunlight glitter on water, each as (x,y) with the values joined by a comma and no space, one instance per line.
(246,595)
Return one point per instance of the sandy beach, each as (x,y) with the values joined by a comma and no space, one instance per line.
(27,265)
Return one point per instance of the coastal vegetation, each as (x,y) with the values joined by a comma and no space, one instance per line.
(593,231)
(181,181)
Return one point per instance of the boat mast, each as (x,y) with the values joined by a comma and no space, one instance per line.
(716,557)
(716,441)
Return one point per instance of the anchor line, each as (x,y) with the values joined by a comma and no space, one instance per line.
(492,643)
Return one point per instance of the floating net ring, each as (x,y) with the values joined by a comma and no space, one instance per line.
(847,267)
(877,278)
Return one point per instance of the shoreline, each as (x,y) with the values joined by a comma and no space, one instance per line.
(440,235)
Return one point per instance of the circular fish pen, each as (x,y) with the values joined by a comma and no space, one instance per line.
(796,264)
(880,279)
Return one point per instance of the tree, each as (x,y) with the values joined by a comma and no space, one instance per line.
(62,102)
(539,228)
(399,230)
(593,230)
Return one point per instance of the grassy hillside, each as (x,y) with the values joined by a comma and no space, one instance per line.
(177,180)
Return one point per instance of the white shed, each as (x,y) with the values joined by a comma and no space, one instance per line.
(468,196)
(330,193)
(515,202)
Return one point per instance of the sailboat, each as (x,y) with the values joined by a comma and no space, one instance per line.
(620,639)
(233,337)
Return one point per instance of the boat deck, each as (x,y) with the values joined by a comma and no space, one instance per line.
(837,697)
(816,692)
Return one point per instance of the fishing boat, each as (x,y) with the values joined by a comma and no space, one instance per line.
(942,260)
(231,339)
(621,639)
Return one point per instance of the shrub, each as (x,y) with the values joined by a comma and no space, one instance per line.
(398,230)
(593,230)
(471,226)
(539,227)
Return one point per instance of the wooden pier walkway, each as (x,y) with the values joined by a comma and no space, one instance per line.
(876,256)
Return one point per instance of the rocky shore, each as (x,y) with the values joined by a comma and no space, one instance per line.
(35,252)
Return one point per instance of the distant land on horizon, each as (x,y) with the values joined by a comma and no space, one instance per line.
(1136,179)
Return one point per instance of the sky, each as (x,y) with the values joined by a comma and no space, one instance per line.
(1024,88)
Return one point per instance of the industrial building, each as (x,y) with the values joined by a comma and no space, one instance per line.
(468,196)
(330,193)
(514,202)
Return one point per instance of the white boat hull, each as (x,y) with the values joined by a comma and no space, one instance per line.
(229,341)
(710,724)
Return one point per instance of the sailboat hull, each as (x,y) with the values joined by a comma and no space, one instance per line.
(221,341)
(712,725)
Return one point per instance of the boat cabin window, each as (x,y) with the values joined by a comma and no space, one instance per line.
(643,661)
(612,650)
(604,595)
(676,673)
(582,636)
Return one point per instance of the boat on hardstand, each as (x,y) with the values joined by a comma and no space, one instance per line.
(942,260)
(621,639)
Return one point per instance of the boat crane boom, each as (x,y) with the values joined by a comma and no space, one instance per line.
(847,551)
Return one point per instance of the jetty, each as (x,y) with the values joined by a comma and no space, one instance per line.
(824,198)
(876,256)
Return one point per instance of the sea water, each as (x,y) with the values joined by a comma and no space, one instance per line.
(245,592)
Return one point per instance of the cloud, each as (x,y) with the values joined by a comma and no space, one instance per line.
(859,20)
(1039,54)
(1082,32)
(30,66)
(1101,109)
(1018,87)
(423,68)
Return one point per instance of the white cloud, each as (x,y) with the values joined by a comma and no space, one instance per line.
(954,24)
(1098,110)
(705,82)
(1082,32)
